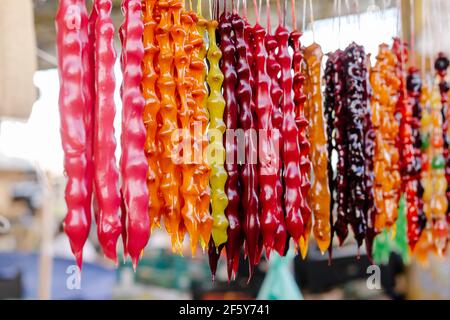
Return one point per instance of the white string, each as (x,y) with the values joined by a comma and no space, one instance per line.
(312,20)
(259,9)
(422,44)
(304,17)
(210,10)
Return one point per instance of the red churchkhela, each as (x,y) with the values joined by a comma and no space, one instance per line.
(76,117)
(106,177)
(133,164)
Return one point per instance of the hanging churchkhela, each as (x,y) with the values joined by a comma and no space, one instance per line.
(218,178)
(319,195)
(106,173)
(248,177)
(133,163)
(291,154)
(75,115)
(277,138)
(232,189)
(228,136)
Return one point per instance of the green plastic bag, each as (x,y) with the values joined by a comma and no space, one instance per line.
(279,283)
(386,242)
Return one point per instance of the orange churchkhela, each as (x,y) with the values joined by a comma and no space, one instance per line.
(151,110)
(170,171)
(319,194)
(385,84)
(200,117)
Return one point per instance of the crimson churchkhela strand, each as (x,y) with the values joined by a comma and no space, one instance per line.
(75,117)
(106,173)
(248,174)
(133,163)
(232,187)
(276,93)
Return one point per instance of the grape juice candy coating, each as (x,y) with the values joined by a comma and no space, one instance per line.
(200,118)
(133,162)
(151,110)
(73,113)
(356,110)
(302,124)
(170,171)
(268,166)
(291,154)
(248,175)
(216,107)
(182,54)
(276,93)
(319,194)
(106,173)
(228,67)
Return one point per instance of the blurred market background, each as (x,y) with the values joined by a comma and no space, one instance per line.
(35,259)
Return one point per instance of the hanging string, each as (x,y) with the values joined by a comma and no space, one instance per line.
(311,11)
(423,57)
(255,7)
(399,19)
(199,7)
(237,7)
(284,13)
(259,9)
(294,18)
(413,31)
(210,9)
(304,17)
(279,12)
(217,9)
(440,23)
(358,14)
(268,15)
(339,7)
(190,5)
(224,6)
(430,46)
(244,9)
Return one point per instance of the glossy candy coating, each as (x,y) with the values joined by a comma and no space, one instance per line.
(170,171)
(291,153)
(302,124)
(133,163)
(106,173)
(73,130)
(151,110)
(248,174)
(276,94)
(356,108)
(232,188)
(200,117)
(268,157)
(440,223)
(319,194)
(182,46)
(385,84)
(216,107)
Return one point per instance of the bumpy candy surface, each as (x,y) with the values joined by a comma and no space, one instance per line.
(385,84)
(319,195)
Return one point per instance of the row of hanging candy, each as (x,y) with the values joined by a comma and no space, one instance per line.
(86,57)
(248,71)
(390,134)
(263,88)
